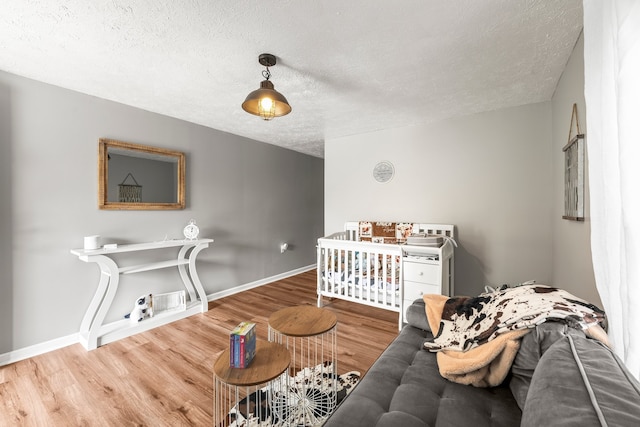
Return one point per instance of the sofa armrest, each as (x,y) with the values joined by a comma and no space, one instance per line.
(417,316)
(579,381)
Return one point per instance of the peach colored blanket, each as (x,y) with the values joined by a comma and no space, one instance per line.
(484,366)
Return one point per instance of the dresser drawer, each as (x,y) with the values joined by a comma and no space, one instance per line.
(421,272)
(414,290)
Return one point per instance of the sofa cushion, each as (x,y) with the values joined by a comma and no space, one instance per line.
(580,382)
(404,388)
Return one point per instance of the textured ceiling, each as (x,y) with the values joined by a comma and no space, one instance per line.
(346,67)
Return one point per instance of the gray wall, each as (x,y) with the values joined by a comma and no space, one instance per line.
(572,265)
(6,231)
(488,174)
(498,176)
(248,196)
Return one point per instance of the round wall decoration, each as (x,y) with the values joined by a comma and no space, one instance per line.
(383,171)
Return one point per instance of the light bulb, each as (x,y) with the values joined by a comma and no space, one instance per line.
(267,108)
(266,103)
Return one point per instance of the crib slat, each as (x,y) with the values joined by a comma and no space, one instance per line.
(370,273)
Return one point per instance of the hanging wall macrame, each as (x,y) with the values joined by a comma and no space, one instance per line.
(574,172)
(129,193)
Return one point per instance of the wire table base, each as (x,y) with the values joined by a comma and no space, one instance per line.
(310,334)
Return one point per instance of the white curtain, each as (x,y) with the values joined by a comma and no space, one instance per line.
(612,94)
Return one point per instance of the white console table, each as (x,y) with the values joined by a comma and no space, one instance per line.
(92,331)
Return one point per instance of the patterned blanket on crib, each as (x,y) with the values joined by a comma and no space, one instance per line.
(386,232)
(364,280)
(467,322)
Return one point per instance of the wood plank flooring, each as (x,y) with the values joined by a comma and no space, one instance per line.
(163,377)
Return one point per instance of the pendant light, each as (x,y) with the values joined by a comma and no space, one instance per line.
(266,102)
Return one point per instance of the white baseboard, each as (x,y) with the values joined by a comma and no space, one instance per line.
(37,349)
(247,286)
(58,343)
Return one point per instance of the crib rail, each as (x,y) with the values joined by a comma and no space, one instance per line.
(363,272)
(372,273)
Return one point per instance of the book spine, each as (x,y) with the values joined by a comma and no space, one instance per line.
(251,345)
(242,351)
(236,360)
(232,354)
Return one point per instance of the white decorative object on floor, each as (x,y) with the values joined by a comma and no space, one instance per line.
(142,309)
(93,333)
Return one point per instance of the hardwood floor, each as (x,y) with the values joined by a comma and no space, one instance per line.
(163,377)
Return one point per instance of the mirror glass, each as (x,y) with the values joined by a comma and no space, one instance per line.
(134,176)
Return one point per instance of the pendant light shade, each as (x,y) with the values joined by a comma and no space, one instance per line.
(266,102)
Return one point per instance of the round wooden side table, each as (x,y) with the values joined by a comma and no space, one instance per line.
(310,333)
(244,393)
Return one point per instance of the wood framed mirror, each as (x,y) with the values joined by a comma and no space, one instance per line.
(139,177)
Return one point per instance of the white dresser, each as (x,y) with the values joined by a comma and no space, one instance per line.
(425,273)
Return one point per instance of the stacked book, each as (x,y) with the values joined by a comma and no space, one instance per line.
(242,345)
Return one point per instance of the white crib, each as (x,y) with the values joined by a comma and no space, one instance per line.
(389,276)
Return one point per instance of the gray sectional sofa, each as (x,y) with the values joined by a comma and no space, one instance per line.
(559,378)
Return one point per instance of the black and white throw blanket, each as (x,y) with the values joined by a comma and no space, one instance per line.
(313,385)
(468,322)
